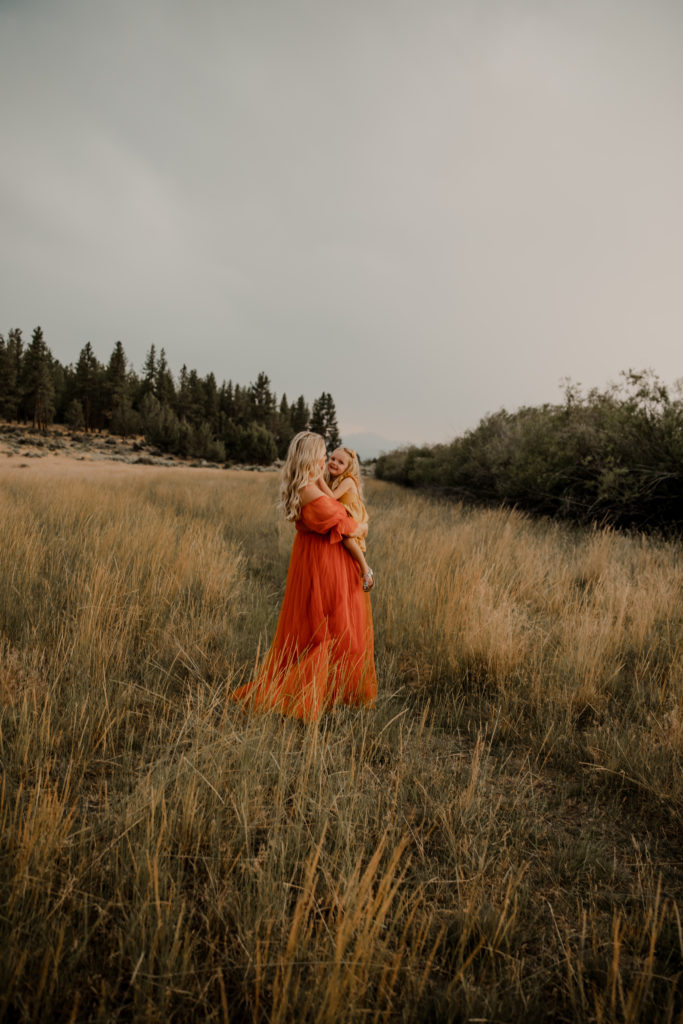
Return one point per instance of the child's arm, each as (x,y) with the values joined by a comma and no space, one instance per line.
(344,487)
(325,488)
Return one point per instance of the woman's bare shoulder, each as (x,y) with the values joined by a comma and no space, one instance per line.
(309,493)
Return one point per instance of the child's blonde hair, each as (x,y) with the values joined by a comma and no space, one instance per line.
(353,471)
(305,450)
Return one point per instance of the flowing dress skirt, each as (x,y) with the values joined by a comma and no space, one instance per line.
(323,650)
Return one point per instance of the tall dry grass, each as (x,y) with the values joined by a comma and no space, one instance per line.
(569,629)
(497,840)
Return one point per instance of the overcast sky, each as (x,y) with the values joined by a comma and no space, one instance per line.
(431,209)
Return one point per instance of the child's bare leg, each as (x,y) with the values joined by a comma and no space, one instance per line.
(354,549)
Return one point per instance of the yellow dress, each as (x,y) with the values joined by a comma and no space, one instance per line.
(351,500)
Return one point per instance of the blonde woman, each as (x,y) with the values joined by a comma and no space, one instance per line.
(322,652)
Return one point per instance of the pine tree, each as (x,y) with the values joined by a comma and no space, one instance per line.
(263,400)
(164,387)
(60,382)
(118,394)
(6,374)
(243,406)
(283,428)
(149,370)
(211,402)
(87,386)
(183,394)
(11,354)
(299,415)
(226,401)
(73,417)
(233,438)
(324,421)
(196,402)
(38,384)
(116,385)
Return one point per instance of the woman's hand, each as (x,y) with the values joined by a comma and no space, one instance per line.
(324,487)
(360,531)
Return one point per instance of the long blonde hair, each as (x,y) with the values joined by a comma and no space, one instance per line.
(353,471)
(304,452)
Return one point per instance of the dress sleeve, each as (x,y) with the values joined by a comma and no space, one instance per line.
(326,515)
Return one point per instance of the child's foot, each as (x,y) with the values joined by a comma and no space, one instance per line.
(368,580)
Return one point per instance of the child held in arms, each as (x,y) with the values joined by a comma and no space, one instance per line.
(342,476)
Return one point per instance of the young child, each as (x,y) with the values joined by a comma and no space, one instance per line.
(342,476)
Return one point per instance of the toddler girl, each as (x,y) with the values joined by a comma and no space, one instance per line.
(342,477)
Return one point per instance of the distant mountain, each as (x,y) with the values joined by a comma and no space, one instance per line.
(369,446)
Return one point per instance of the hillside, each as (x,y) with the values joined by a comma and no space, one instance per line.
(21,442)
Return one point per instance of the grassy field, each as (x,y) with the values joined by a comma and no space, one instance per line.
(498,840)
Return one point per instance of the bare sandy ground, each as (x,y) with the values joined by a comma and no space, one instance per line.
(60,454)
(60,466)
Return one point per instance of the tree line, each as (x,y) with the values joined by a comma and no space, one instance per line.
(613,456)
(186,415)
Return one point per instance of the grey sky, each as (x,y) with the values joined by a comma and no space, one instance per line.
(430,209)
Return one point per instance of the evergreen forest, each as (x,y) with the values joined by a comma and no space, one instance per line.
(189,415)
(611,456)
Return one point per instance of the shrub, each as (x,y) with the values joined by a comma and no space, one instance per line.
(613,456)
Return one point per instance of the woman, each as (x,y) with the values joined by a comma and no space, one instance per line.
(322,653)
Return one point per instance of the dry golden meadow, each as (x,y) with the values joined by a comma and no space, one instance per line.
(499,840)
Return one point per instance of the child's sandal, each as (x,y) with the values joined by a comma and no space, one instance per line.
(368,580)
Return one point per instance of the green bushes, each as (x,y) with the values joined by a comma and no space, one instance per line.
(252,443)
(614,456)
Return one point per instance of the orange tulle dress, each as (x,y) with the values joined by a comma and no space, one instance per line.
(323,650)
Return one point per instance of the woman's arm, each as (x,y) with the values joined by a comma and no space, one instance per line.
(326,515)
